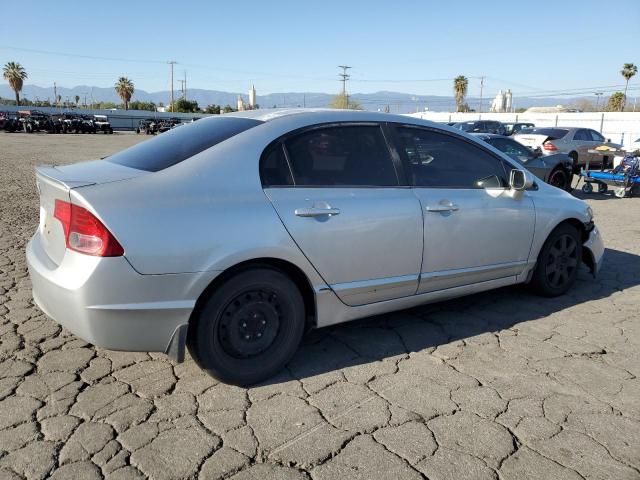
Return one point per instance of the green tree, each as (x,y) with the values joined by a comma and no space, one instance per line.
(184,106)
(342,100)
(125,88)
(15,75)
(77,99)
(627,72)
(616,102)
(138,105)
(460,87)
(228,109)
(213,109)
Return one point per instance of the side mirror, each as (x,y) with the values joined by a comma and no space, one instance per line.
(537,152)
(520,180)
(608,140)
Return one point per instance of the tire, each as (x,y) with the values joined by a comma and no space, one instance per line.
(603,188)
(587,188)
(249,327)
(558,262)
(559,178)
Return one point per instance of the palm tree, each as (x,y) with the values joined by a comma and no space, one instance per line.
(15,75)
(460,85)
(125,89)
(628,71)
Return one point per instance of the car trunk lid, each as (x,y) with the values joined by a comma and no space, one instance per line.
(56,183)
(532,140)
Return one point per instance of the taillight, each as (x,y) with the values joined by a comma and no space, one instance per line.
(84,233)
(549,147)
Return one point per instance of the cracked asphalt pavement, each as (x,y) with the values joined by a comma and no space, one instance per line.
(497,385)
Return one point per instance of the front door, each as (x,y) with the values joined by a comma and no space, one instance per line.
(347,212)
(474,231)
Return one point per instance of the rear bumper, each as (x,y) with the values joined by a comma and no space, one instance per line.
(107,303)
(594,247)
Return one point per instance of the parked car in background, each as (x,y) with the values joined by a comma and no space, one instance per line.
(575,142)
(102,124)
(358,213)
(481,126)
(633,146)
(556,170)
(517,127)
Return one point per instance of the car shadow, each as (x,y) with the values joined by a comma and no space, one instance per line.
(377,338)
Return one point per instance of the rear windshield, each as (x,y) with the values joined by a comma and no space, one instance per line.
(176,145)
(465,126)
(552,133)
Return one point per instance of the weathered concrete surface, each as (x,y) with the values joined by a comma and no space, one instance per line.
(500,385)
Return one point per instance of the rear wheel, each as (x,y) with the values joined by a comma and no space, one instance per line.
(587,188)
(558,262)
(249,327)
(602,188)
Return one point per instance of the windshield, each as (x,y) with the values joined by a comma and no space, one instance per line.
(176,145)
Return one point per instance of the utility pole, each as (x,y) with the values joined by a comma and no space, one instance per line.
(172,63)
(481,87)
(343,78)
(184,86)
(55,92)
(597,94)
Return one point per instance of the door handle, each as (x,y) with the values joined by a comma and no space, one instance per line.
(316,212)
(443,207)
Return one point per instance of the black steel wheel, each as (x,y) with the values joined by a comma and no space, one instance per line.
(248,327)
(558,262)
(559,178)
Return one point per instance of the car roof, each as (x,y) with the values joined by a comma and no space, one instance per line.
(269,114)
(486,136)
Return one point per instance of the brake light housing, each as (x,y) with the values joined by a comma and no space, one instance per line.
(84,233)
(549,147)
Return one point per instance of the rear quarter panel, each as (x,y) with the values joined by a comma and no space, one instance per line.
(203,215)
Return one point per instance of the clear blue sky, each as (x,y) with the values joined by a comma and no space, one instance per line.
(528,46)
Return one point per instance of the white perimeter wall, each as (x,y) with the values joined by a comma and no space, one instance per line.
(619,127)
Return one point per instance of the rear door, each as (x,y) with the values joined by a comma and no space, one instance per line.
(473,230)
(338,192)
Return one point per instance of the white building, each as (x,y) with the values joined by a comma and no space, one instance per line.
(503,102)
(251,104)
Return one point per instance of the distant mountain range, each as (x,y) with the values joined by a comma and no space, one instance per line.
(396,101)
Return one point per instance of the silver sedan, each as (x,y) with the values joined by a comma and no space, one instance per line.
(234,234)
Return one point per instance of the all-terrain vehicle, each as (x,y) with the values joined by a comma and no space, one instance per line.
(36,121)
(147,126)
(101,122)
(71,123)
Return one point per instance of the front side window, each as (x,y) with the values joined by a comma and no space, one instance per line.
(344,155)
(442,161)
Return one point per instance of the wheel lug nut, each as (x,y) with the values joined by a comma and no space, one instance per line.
(264,322)
(244,324)
(247,337)
(259,334)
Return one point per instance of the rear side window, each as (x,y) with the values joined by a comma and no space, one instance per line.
(344,155)
(582,135)
(274,169)
(176,145)
(439,160)
(595,136)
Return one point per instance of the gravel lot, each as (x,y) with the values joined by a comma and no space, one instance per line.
(498,385)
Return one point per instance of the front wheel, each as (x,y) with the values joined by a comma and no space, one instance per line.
(249,327)
(558,262)
(587,188)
